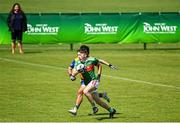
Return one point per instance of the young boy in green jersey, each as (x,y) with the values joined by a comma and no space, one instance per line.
(91,81)
(79,98)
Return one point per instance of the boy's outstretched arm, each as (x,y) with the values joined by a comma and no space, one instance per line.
(108,64)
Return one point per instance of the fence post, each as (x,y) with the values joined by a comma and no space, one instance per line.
(71,47)
(145,46)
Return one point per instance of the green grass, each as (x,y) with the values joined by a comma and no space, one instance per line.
(35,86)
(36,6)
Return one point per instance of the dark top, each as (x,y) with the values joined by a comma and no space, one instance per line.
(17,21)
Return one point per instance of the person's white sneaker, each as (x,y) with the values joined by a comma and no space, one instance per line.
(73,111)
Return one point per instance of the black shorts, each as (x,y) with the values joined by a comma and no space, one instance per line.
(17,35)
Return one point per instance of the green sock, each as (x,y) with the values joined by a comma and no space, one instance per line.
(93,104)
(77,106)
(110,110)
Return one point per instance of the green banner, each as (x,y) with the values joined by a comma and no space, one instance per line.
(159,27)
(97,28)
(5,35)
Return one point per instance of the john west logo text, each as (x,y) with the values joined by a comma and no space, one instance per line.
(42,29)
(101,28)
(159,28)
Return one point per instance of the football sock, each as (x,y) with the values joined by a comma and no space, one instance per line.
(93,104)
(110,109)
(77,106)
(101,95)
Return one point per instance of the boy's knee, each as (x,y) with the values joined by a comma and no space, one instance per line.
(80,92)
(85,92)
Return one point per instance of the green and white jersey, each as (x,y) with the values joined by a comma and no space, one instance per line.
(89,74)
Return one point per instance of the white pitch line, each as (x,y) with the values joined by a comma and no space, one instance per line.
(32,64)
(113,77)
(141,81)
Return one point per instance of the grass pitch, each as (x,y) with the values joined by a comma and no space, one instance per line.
(35,86)
(76,6)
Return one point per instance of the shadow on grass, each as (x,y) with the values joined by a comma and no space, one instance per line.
(105,116)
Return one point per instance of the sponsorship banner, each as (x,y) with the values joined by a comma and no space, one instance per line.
(157,27)
(108,28)
(42,28)
(5,35)
(97,28)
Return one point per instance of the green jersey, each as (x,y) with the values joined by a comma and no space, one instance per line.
(89,74)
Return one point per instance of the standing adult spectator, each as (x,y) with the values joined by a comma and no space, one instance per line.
(17,24)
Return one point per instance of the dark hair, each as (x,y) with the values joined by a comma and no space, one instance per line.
(84,48)
(12,9)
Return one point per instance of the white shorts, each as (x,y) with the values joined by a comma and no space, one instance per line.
(94,83)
